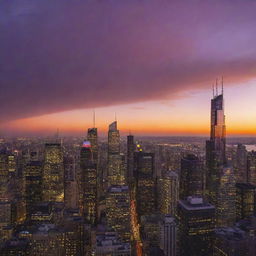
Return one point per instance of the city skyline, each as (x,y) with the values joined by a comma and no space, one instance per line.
(139,119)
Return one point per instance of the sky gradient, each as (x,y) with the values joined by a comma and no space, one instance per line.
(152,62)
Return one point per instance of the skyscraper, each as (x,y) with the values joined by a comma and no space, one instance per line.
(196,226)
(241,164)
(215,147)
(130,156)
(191,177)
(33,185)
(168,235)
(92,136)
(53,173)
(168,193)
(220,179)
(70,184)
(116,161)
(118,211)
(145,183)
(88,183)
(113,139)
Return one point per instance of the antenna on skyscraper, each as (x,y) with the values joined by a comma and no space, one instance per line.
(213,90)
(222,87)
(115,116)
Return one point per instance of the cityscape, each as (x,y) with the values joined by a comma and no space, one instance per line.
(137,184)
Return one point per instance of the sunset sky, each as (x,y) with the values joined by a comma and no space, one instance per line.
(151,62)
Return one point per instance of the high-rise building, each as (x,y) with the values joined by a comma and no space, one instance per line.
(168,193)
(215,147)
(70,184)
(118,211)
(241,164)
(191,177)
(168,236)
(150,227)
(226,196)
(3,175)
(116,161)
(53,173)
(92,136)
(113,139)
(130,156)
(196,226)
(251,161)
(145,183)
(33,185)
(88,183)
(220,178)
(245,200)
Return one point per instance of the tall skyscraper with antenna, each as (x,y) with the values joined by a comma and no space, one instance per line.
(220,186)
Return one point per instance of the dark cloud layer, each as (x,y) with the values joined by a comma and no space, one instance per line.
(62,55)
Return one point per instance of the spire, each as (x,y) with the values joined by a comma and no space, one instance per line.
(213,93)
(115,117)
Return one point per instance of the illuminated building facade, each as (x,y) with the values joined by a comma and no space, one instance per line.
(245,200)
(53,173)
(145,183)
(168,193)
(33,185)
(3,175)
(225,207)
(118,211)
(191,177)
(92,136)
(116,161)
(196,225)
(88,183)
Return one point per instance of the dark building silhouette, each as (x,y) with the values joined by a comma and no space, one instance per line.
(196,226)
(88,183)
(191,177)
(145,183)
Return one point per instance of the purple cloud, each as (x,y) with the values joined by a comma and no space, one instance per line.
(63,55)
